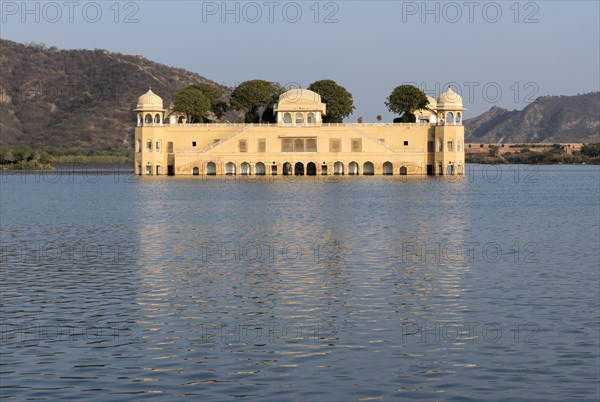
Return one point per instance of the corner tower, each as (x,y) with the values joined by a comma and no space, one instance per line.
(149,135)
(449,135)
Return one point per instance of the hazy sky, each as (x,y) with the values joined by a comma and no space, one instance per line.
(503,53)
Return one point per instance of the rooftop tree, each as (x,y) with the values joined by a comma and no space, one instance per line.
(252,96)
(405,100)
(339,101)
(192,102)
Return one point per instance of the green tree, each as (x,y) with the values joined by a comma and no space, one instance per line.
(339,101)
(252,96)
(405,100)
(591,150)
(493,150)
(211,91)
(193,103)
(360,119)
(378,117)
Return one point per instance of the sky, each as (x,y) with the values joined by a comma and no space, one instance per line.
(493,53)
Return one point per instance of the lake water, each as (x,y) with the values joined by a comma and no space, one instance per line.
(314,289)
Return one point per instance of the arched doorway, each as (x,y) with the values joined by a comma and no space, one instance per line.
(353,168)
(245,169)
(196,171)
(211,169)
(388,169)
(338,168)
(230,169)
(403,171)
(368,169)
(299,169)
(287,169)
(311,169)
(260,169)
(450,170)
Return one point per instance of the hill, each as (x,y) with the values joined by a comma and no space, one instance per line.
(552,119)
(77,98)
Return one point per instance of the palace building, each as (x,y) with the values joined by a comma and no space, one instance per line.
(300,143)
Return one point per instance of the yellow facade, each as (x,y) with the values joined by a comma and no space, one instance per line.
(300,143)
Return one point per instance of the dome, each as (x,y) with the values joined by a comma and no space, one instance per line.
(300,100)
(150,101)
(449,98)
(432,102)
(296,94)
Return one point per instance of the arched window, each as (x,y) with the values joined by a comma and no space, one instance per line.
(450,118)
(230,169)
(148,119)
(287,169)
(287,119)
(158,170)
(148,145)
(388,169)
(139,145)
(149,169)
(450,146)
(450,170)
(260,169)
(245,169)
(403,171)
(353,168)
(211,168)
(156,118)
(299,119)
(311,169)
(368,169)
(158,146)
(338,168)
(310,119)
(440,145)
(299,169)
(459,169)
(459,146)
(139,169)
(140,119)
(458,117)
(196,171)
(180,120)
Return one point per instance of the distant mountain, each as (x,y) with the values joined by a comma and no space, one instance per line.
(77,98)
(548,119)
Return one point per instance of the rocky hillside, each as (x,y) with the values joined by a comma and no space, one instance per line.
(77,98)
(553,119)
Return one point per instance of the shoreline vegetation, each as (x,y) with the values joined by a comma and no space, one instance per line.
(533,154)
(23,157)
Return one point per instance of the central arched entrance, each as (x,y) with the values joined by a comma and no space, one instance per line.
(368,169)
(299,169)
(311,169)
(287,169)
(211,168)
(338,168)
(353,168)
